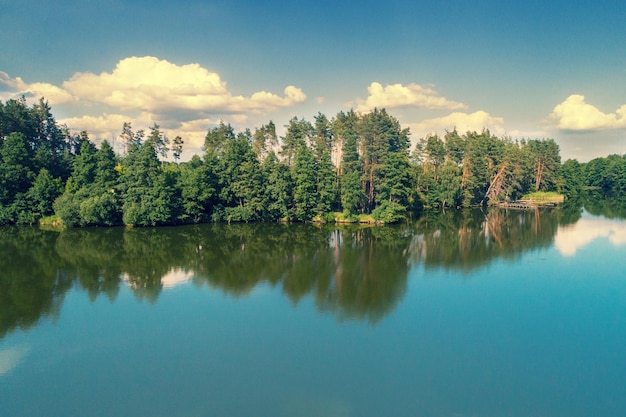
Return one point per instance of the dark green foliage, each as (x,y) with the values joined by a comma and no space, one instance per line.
(91,197)
(326,185)
(218,137)
(177,147)
(299,132)
(389,212)
(305,191)
(16,171)
(395,180)
(241,180)
(354,163)
(35,161)
(42,194)
(380,135)
(264,140)
(198,188)
(278,195)
(147,195)
(351,169)
(479,168)
(572,180)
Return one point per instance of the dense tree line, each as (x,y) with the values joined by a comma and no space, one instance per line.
(355,164)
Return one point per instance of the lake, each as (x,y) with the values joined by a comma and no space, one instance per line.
(483,313)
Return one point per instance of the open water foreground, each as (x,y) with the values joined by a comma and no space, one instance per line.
(482,314)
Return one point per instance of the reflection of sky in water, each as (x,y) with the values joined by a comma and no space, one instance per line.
(573,237)
(10,358)
(306,406)
(174,278)
(511,339)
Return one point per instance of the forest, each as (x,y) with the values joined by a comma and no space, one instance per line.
(351,167)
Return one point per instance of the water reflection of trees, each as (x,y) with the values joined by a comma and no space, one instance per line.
(32,278)
(466,240)
(607,205)
(351,272)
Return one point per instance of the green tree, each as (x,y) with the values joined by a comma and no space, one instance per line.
(146,194)
(380,135)
(42,194)
(449,189)
(241,180)
(545,161)
(158,141)
(198,185)
(278,196)
(264,140)
(299,132)
(455,147)
(305,191)
(395,182)
(177,147)
(85,164)
(345,127)
(326,185)
(571,184)
(217,138)
(16,171)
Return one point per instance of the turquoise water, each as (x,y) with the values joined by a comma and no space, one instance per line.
(529,319)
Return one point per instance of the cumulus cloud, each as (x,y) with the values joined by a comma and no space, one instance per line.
(463,122)
(16,87)
(577,115)
(184,100)
(411,95)
(155,85)
(98,125)
(109,126)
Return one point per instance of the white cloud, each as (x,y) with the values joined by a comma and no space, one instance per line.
(411,95)
(101,126)
(154,85)
(109,127)
(577,115)
(184,100)
(17,87)
(571,238)
(463,122)
(516,133)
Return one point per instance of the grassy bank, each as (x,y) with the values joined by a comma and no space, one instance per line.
(543,197)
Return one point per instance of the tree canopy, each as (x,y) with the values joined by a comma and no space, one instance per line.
(357,164)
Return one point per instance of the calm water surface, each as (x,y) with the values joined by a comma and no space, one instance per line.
(463,314)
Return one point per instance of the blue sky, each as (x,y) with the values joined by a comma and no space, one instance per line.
(531,69)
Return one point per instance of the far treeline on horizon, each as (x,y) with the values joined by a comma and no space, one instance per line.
(349,168)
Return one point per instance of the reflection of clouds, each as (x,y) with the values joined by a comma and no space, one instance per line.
(176,277)
(571,238)
(10,358)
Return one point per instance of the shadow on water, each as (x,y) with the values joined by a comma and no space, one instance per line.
(351,272)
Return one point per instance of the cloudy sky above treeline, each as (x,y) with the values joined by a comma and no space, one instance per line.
(532,69)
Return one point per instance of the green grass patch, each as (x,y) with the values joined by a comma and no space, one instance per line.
(544,197)
(345,218)
(51,222)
